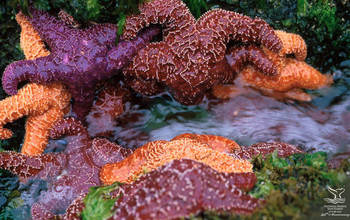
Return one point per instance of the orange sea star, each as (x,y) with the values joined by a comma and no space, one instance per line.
(44,104)
(218,143)
(157,153)
(293,73)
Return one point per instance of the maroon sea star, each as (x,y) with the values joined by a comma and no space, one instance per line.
(186,61)
(179,189)
(79,58)
(69,173)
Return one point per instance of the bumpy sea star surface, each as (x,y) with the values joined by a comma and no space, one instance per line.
(79,58)
(69,173)
(186,60)
(293,73)
(107,107)
(44,104)
(179,189)
(215,142)
(263,149)
(157,153)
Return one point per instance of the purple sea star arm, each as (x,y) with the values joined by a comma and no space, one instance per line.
(120,55)
(50,28)
(24,166)
(103,33)
(41,70)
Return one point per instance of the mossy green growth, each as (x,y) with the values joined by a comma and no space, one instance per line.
(293,187)
(98,202)
(197,7)
(324,24)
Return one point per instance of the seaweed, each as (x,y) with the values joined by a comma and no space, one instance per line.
(293,187)
(98,202)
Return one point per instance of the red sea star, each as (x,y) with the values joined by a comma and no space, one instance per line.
(184,61)
(79,58)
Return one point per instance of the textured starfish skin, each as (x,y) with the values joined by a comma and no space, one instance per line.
(108,106)
(179,189)
(218,143)
(32,45)
(79,58)
(184,60)
(283,150)
(44,106)
(69,173)
(157,153)
(293,73)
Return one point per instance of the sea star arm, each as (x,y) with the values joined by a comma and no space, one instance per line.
(120,55)
(37,131)
(68,126)
(158,153)
(42,166)
(218,143)
(233,26)
(40,70)
(50,28)
(292,44)
(31,43)
(173,14)
(238,57)
(44,105)
(263,149)
(295,74)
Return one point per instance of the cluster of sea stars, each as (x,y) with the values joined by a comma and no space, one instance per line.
(210,161)
(293,74)
(190,59)
(198,172)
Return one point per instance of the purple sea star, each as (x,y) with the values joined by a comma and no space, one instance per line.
(69,173)
(79,58)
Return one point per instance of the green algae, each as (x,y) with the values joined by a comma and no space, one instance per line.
(98,203)
(293,187)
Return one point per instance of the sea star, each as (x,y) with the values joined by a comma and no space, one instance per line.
(215,142)
(157,153)
(186,60)
(179,189)
(68,173)
(190,175)
(108,106)
(79,58)
(44,104)
(263,149)
(293,73)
